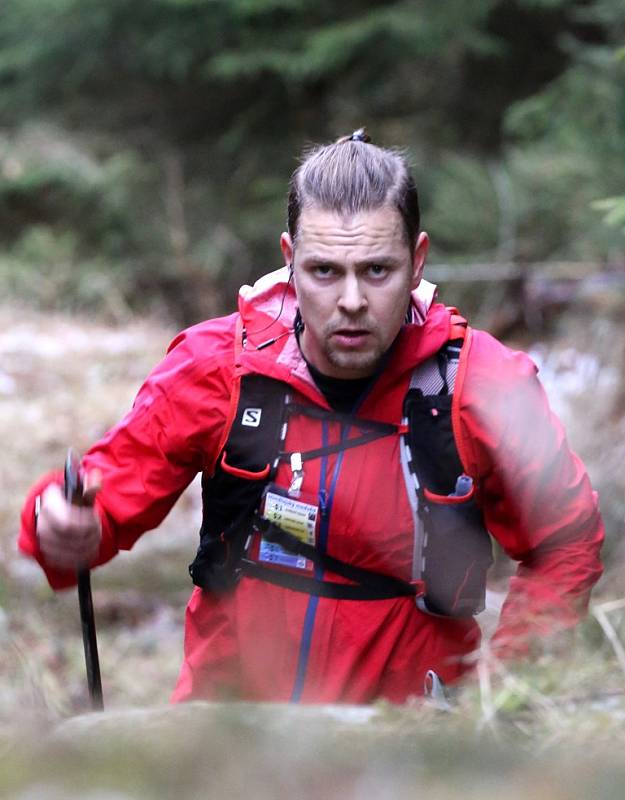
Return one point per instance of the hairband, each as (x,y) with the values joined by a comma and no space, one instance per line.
(360,135)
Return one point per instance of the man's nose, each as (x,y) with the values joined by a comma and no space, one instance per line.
(352,299)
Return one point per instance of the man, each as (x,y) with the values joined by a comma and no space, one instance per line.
(332,342)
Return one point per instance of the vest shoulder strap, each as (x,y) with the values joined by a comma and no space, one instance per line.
(236,385)
(457,324)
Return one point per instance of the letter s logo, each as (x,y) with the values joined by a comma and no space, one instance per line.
(251,417)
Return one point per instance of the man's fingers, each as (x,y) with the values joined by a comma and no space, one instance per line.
(69,551)
(69,536)
(55,497)
(92,483)
(64,558)
(53,501)
(57,512)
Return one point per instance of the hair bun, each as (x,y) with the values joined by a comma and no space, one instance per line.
(359,135)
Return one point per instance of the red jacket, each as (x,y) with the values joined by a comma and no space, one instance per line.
(266,642)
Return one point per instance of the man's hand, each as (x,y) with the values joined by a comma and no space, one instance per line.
(69,535)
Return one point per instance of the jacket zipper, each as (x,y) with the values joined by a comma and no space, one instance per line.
(325,507)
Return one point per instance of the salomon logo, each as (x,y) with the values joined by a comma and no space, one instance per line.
(251,417)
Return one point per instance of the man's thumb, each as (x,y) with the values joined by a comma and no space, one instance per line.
(92,483)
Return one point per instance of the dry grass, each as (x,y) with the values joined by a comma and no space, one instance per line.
(66,381)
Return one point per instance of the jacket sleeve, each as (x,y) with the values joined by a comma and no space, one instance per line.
(535,494)
(172,432)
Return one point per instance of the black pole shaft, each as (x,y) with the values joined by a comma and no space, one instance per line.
(89,639)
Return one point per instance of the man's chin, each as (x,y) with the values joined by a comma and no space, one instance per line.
(353,365)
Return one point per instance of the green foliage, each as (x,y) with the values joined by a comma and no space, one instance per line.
(614,208)
(463,214)
(387,34)
(171,126)
(570,144)
(551,195)
(44,269)
(48,177)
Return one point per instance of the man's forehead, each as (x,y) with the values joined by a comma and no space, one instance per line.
(316,221)
(318,226)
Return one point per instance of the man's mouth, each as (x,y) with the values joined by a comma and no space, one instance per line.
(351,337)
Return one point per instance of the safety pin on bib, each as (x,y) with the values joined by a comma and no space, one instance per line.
(297,468)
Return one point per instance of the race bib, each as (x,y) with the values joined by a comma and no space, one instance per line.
(294,516)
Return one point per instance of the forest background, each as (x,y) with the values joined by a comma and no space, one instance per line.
(145,150)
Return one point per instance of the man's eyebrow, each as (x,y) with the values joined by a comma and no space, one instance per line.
(383,260)
(314,260)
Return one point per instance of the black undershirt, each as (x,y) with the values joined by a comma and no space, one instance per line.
(342,394)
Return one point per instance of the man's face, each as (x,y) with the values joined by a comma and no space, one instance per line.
(353,277)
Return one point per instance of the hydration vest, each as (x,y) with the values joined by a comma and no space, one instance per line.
(452,549)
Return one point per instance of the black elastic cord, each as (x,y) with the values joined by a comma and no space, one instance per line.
(338,447)
(314,412)
(375,430)
(300,583)
(378,581)
(280,310)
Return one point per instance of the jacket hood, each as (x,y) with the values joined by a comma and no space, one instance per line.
(268,311)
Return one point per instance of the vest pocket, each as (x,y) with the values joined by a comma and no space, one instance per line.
(245,474)
(449,499)
(456,554)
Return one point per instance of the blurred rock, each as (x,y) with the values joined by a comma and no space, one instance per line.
(4,626)
(44,792)
(7,383)
(274,751)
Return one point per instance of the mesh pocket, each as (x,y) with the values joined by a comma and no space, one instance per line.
(456,555)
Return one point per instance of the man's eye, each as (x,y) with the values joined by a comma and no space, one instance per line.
(323,270)
(378,270)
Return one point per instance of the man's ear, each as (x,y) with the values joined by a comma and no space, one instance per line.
(420,254)
(286,245)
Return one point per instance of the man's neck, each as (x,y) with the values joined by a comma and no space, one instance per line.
(342,394)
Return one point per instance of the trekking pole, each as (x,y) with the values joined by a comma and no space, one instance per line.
(74,494)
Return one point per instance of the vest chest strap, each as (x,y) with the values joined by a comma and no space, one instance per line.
(374,585)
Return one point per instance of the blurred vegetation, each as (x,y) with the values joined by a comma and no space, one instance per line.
(145,147)
(520,738)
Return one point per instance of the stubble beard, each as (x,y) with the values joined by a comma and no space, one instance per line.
(364,363)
